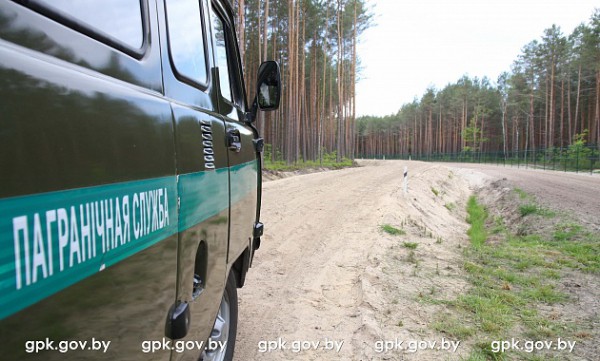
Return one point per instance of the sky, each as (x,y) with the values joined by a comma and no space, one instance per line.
(416,44)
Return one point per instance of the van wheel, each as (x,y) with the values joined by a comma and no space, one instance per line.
(225,328)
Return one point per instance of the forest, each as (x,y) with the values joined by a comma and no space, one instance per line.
(314,42)
(550,98)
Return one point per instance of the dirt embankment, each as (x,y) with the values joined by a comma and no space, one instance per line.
(329,284)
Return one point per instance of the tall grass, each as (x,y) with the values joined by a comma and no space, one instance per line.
(477,215)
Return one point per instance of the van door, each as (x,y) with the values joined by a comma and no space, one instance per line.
(244,167)
(202,167)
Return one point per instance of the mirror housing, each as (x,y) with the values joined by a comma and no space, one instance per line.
(268,89)
(268,86)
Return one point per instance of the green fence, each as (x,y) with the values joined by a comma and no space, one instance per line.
(574,158)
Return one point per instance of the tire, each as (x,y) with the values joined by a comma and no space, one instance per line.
(225,326)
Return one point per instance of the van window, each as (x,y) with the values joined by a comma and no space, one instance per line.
(186,39)
(221,57)
(121,20)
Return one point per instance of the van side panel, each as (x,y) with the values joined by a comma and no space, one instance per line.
(72,141)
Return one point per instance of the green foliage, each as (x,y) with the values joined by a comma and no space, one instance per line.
(530,208)
(392,230)
(410,245)
(329,162)
(477,216)
(454,327)
(473,137)
(521,193)
(578,153)
(527,209)
(269,156)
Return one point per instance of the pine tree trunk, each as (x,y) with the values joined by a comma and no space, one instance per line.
(339,82)
(242,30)
(546,117)
(531,122)
(597,115)
(569,116)
(302,92)
(503,106)
(322,116)
(291,96)
(562,112)
(551,119)
(577,97)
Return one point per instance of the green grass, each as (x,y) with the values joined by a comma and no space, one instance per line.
(410,245)
(392,230)
(512,279)
(568,246)
(435,191)
(499,226)
(566,232)
(477,216)
(527,209)
(521,193)
(545,293)
(450,206)
(453,327)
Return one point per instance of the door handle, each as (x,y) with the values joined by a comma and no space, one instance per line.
(234,140)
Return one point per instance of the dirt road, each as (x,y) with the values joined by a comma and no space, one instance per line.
(329,284)
(578,194)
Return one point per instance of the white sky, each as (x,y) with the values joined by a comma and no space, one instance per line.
(414,44)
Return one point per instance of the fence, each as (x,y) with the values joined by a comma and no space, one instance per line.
(574,158)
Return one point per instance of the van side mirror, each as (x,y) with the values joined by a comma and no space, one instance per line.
(268,86)
(268,89)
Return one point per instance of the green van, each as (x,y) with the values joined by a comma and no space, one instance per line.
(130,183)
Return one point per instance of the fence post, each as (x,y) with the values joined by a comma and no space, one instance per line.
(544,155)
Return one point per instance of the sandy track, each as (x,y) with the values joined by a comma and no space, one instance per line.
(327,273)
(319,273)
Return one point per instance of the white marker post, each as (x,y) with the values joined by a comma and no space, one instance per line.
(405,180)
